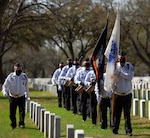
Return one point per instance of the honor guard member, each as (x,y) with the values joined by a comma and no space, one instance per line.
(70,78)
(123,94)
(66,88)
(90,81)
(104,101)
(16,88)
(55,82)
(79,80)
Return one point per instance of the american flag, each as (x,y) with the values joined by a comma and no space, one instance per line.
(97,56)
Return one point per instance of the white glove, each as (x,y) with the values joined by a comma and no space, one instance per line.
(5,94)
(59,88)
(98,99)
(118,70)
(28,98)
(54,83)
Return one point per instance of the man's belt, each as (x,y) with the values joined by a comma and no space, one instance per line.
(106,97)
(122,93)
(16,96)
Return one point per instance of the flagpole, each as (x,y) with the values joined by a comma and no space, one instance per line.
(111,54)
(107,14)
(113,94)
(98,55)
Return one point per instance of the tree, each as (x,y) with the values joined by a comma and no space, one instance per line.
(16,21)
(136,25)
(135,30)
(77,26)
(24,23)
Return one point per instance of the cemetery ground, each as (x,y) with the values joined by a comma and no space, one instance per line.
(141,126)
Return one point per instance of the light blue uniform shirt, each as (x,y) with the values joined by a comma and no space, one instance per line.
(89,77)
(16,85)
(80,75)
(124,77)
(71,72)
(55,76)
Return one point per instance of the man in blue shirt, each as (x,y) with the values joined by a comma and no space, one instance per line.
(16,88)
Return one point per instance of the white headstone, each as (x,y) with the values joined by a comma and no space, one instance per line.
(135,106)
(149,110)
(57,127)
(51,126)
(36,113)
(142,108)
(70,131)
(46,123)
(31,109)
(79,133)
(42,120)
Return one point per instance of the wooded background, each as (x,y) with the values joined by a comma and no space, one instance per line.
(41,33)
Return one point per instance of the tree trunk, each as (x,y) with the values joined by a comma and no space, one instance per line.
(2,77)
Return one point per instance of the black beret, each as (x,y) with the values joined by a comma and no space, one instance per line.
(69,59)
(76,59)
(86,59)
(17,65)
(123,53)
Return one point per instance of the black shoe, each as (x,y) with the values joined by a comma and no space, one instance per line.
(129,134)
(22,126)
(12,128)
(74,113)
(115,133)
(103,128)
(83,120)
(79,113)
(88,115)
(94,124)
(60,105)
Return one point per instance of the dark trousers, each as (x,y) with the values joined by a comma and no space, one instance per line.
(104,105)
(84,98)
(67,97)
(122,103)
(14,102)
(59,95)
(79,104)
(74,99)
(93,105)
(88,107)
(63,95)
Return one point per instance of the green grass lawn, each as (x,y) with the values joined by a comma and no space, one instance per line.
(141,126)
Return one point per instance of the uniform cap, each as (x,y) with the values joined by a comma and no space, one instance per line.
(17,65)
(123,53)
(69,59)
(86,60)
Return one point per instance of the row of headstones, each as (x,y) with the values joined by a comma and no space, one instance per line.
(141,94)
(141,85)
(45,87)
(139,90)
(49,123)
(142,108)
